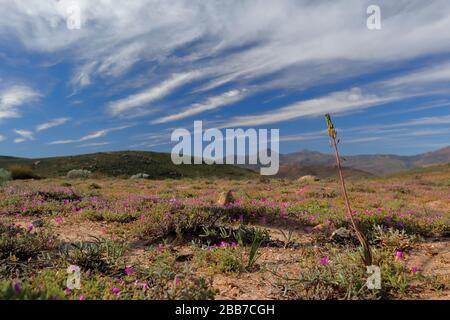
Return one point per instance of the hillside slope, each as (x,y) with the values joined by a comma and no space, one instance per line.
(377,164)
(127,163)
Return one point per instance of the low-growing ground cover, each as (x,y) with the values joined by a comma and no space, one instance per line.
(183,239)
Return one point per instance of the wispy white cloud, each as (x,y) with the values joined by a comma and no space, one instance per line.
(94,144)
(336,102)
(315,135)
(90,136)
(211,103)
(149,140)
(418,127)
(152,94)
(25,135)
(58,142)
(280,36)
(438,73)
(2,138)
(51,124)
(13,98)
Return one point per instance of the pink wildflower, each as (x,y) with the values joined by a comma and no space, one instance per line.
(177,281)
(82,298)
(324,261)
(223,244)
(129,270)
(17,287)
(399,254)
(115,290)
(414,269)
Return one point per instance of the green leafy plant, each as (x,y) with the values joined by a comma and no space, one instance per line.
(19,172)
(253,254)
(5,176)
(121,217)
(222,259)
(98,255)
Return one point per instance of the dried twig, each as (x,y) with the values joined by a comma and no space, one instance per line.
(367,254)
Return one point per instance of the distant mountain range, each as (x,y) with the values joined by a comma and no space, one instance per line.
(293,165)
(306,162)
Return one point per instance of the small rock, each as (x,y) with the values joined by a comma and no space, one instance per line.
(341,234)
(140,176)
(226,199)
(38,223)
(322,227)
(94,186)
(308,178)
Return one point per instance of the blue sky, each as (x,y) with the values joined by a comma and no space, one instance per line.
(134,72)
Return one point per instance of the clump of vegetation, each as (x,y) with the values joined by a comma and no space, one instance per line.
(22,251)
(164,280)
(79,174)
(169,280)
(120,217)
(223,258)
(20,244)
(176,221)
(5,176)
(19,172)
(340,276)
(98,255)
(393,238)
(243,235)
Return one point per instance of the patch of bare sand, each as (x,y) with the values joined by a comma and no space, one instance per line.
(433,258)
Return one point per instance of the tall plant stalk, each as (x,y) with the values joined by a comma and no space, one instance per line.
(366,252)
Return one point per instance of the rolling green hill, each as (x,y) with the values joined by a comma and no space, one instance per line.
(125,164)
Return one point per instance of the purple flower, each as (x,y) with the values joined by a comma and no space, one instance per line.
(58,220)
(399,254)
(82,298)
(17,287)
(142,217)
(129,270)
(177,281)
(30,227)
(414,269)
(324,261)
(67,291)
(223,244)
(115,290)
